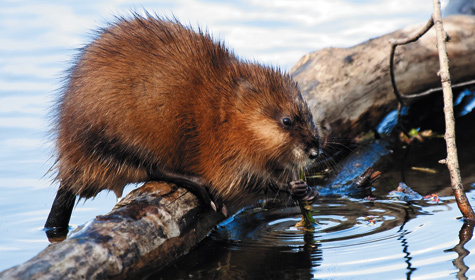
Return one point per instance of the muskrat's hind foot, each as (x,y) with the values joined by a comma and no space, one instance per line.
(197,185)
(299,190)
(223,208)
(57,224)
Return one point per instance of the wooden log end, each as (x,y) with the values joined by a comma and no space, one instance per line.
(150,228)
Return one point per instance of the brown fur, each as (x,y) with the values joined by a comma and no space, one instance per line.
(149,96)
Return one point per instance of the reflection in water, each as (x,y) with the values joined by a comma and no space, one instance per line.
(405,243)
(264,244)
(257,243)
(407,254)
(465,235)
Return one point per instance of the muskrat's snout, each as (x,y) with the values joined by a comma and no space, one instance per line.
(314,141)
(313,153)
(314,148)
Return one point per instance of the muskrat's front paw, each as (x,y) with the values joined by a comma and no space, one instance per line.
(311,196)
(299,190)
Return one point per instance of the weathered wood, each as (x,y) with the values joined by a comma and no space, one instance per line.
(148,229)
(349,90)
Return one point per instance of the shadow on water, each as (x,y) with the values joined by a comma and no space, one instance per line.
(465,235)
(405,246)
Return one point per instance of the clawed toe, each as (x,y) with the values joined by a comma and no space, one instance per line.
(222,208)
(299,190)
(311,196)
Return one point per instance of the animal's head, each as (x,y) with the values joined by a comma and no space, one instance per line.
(283,136)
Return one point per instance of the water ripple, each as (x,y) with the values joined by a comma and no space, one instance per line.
(353,238)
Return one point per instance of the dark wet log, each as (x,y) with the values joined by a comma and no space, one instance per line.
(151,227)
(349,89)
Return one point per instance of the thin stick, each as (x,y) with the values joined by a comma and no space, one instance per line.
(433,90)
(452,159)
(394,43)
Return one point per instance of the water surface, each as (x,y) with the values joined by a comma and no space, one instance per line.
(405,241)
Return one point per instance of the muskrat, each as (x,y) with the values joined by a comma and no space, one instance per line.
(151,99)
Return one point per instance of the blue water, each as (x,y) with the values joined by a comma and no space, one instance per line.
(39,38)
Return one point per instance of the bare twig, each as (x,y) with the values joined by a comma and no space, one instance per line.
(433,90)
(394,43)
(452,159)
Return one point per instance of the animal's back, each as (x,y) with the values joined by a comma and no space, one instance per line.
(131,102)
(153,100)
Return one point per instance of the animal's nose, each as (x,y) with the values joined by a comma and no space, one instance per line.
(313,153)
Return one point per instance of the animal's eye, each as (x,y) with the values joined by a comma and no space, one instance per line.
(287,122)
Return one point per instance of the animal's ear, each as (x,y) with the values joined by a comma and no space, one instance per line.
(245,93)
(244,88)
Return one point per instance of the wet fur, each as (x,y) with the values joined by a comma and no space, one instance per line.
(150,96)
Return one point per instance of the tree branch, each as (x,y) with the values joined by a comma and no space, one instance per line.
(452,158)
(394,43)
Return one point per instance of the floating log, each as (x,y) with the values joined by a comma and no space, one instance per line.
(349,89)
(147,230)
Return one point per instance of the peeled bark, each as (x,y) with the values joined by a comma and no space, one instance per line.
(349,89)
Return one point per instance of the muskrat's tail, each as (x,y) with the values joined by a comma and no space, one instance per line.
(57,224)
